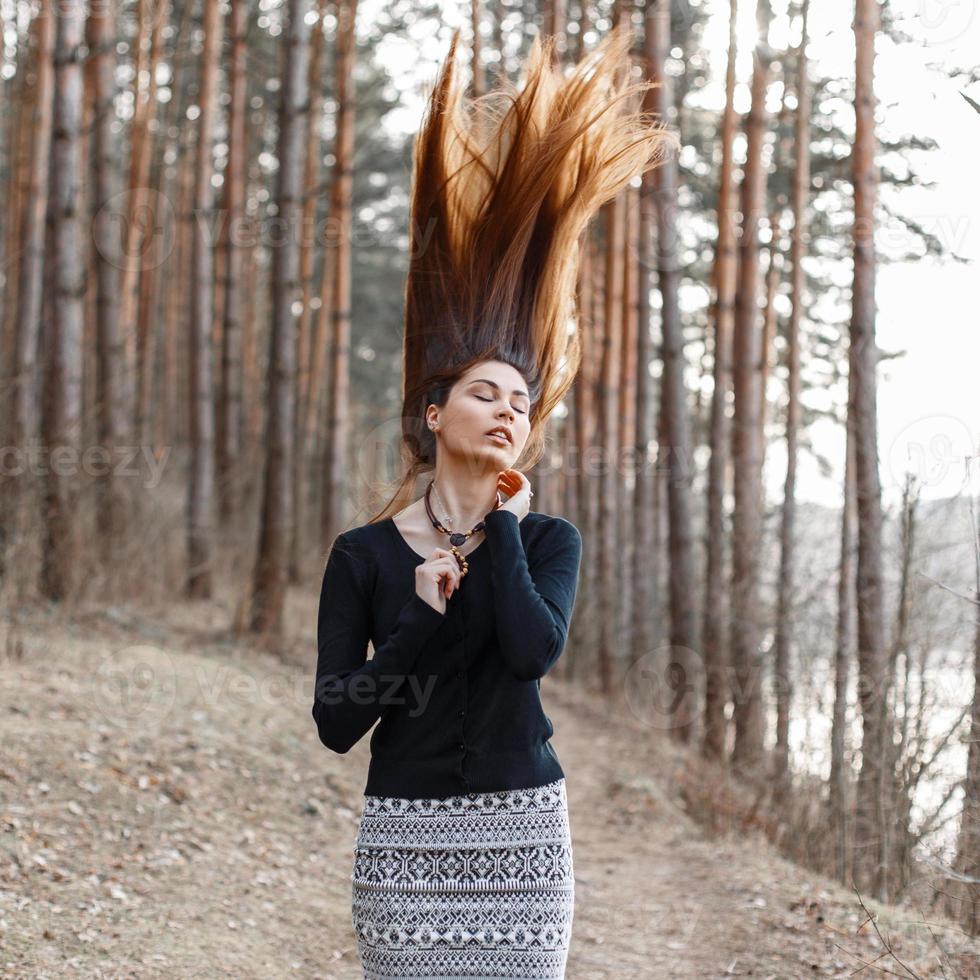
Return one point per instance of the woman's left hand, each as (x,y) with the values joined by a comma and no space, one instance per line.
(517,488)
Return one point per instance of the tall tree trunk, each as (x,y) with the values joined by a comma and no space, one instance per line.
(251,373)
(683,632)
(839,766)
(583,419)
(900,784)
(311,175)
(174,422)
(29,208)
(152,20)
(774,268)
(110,401)
(62,413)
(747,660)
(169,413)
(341,206)
(584,637)
(608,479)
(782,670)
(716,685)
(272,560)
(15,91)
(200,504)
(964,901)
(228,424)
(626,440)
(871,839)
(612,312)
(19,421)
(643,507)
(597,444)
(150,287)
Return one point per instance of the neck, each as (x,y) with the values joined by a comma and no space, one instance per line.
(464,498)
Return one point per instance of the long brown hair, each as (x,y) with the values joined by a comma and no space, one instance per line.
(503,188)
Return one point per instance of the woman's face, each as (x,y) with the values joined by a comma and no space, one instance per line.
(489,395)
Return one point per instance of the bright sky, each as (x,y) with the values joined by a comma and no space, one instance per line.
(927,399)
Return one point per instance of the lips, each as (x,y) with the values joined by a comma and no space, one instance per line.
(502,433)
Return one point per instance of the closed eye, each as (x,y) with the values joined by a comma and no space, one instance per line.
(483,399)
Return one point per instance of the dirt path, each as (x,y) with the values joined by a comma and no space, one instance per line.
(167,811)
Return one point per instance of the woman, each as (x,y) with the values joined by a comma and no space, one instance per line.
(463,858)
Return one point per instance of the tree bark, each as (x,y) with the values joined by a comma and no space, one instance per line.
(200,489)
(20,421)
(716,686)
(30,282)
(747,660)
(782,669)
(228,418)
(680,464)
(965,902)
(627,439)
(272,559)
(339,256)
(62,400)
(134,331)
(871,839)
(643,510)
(304,340)
(110,401)
(839,767)
(609,476)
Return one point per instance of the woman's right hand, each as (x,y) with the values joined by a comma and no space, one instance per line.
(437,578)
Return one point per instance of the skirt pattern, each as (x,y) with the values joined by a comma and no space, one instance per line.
(476,885)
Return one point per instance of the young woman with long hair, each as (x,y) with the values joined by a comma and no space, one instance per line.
(463,858)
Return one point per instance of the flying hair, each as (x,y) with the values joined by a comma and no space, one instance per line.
(503,188)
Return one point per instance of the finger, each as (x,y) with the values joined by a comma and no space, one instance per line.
(520,480)
(447,569)
(444,581)
(509,484)
(443,570)
(442,559)
(513,486)
(450,582)
(446,560)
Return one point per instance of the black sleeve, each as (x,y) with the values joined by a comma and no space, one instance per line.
(350,690)
(533,604)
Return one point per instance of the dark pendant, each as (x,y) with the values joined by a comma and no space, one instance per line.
(457,538)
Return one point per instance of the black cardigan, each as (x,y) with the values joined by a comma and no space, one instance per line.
(458,694)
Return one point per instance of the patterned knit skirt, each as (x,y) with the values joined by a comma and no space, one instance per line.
(478,885)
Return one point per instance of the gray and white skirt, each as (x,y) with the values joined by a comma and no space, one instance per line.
(477,885)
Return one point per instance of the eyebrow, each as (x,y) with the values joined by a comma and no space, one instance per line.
(493,384)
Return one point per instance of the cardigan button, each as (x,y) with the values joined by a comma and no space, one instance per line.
(461,713)
(462,745)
